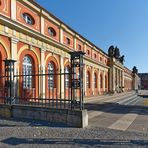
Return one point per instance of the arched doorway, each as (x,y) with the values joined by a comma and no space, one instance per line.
(88,83)
(28,68)
(3,56)
(67,86)
(106,83)
(101,83)
(95,83)
(52,83)
(28,78)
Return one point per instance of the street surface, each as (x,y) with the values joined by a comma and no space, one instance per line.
(126,112)
(115,121)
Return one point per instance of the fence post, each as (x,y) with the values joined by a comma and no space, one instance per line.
(9,80)
(77,79)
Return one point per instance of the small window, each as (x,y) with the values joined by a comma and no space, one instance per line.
(95,56)
(88,52)
(88,79)
(101,81)
(51,32)
(105,61)
(67,82)
(27,72)
(105,81)
(95,80)
(79,47)
(28,18)
(51,77)
(68,41)
(100,59)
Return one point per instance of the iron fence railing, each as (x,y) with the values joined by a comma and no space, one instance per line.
(55,88)
(58,96)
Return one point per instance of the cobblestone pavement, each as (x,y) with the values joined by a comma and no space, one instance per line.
(110,125)
(119,117)
(33,134)
(126,112)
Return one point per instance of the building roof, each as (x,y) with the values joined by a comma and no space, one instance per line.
(142,73)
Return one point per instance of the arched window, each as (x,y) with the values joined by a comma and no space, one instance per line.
(95,55)
(88,80)
(67,70)
(68,41)
(100,59)
(105,81)
(95,80)
(51,32)
(27,72)
(28,18)
(88,52)
(51,78)
(79,47)
(101,81)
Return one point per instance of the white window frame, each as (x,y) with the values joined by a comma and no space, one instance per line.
(51,69)
(67,81)
(28,19)
(27,70)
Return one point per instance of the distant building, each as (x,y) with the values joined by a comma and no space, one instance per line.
(144,80)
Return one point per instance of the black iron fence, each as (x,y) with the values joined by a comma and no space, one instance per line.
(37,89)
(54,89)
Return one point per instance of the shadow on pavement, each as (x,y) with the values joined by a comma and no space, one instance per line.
(143,96)
(117,108)
(69,141)
(14,122)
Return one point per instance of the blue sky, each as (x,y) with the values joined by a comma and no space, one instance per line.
(122,23)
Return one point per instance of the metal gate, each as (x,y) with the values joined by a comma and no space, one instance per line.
(36,89)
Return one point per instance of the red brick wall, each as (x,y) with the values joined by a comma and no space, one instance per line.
(78,42)
(128,84)
(20,8)
(5,8)
(55,27)
(88,51)
(65,36)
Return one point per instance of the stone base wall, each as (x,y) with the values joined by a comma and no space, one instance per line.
(5,111)
(74,118)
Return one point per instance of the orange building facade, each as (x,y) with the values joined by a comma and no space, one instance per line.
(39,41)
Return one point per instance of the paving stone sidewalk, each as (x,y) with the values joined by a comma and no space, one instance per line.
(107,113)
(106,129)
(33,134)
(108,97)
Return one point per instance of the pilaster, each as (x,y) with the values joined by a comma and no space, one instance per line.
(98,80)
(62,76)
(75,43)
(13,56)
(103,81)
(14,42)
(42,80)
(13,9)
(42,25)
(85,48)
(113,78)
(92,81)
(61,35)
(85,73)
